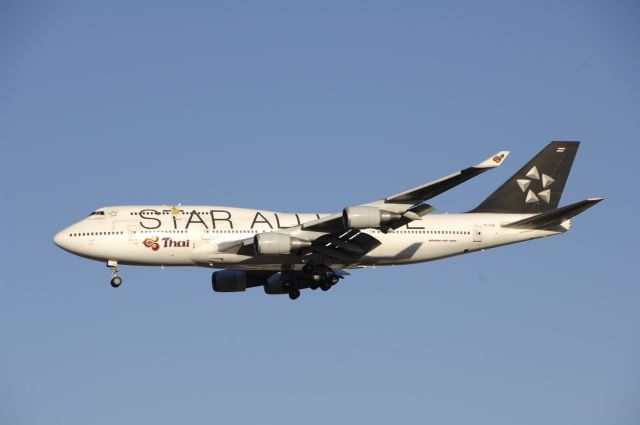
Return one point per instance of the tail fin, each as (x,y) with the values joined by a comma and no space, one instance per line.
(536,187)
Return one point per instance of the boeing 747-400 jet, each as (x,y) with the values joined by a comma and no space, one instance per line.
(286,252)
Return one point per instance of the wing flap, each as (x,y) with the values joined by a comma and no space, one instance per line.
(348,246)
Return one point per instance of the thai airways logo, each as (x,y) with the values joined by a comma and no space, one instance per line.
(498,158)
(152,243)
(155,242)
(541,181)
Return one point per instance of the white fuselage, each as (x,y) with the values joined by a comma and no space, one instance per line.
(190,235)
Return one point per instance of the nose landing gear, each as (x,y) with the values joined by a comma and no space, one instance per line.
(116,280)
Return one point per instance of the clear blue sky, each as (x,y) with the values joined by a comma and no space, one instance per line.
(313,106)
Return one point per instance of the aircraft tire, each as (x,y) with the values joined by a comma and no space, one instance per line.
(116,281)
(294,294)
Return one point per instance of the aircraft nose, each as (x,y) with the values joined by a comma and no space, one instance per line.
(60,238)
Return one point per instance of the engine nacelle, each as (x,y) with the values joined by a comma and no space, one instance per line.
(229,281)
(277,244)
(367,217)
(276,285)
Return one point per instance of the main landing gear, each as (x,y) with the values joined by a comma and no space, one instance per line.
(314,277)
(115,280)
(325,281)
(294,294)
(290,285)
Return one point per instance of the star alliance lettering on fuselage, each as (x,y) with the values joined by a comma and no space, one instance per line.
(214,219)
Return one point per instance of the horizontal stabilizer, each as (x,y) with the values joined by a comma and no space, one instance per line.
(554,217)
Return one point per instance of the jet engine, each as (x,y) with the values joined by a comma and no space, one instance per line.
(229,281)
(367,217)
(277,244)
(276,285)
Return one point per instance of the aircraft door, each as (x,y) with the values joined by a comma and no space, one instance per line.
(477,233)
(132,231)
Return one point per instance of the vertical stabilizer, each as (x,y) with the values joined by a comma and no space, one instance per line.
(536,187)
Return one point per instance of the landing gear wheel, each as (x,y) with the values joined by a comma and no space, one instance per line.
(325,286)
(294,294)
(333,279)
(116,281)
(307,269)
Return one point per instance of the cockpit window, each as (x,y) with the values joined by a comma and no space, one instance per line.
(96,213)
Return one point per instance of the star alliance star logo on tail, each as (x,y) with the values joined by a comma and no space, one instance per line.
(533,177)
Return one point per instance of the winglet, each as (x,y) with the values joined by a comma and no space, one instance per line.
(494,161)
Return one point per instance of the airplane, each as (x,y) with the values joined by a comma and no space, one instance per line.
(287,252)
